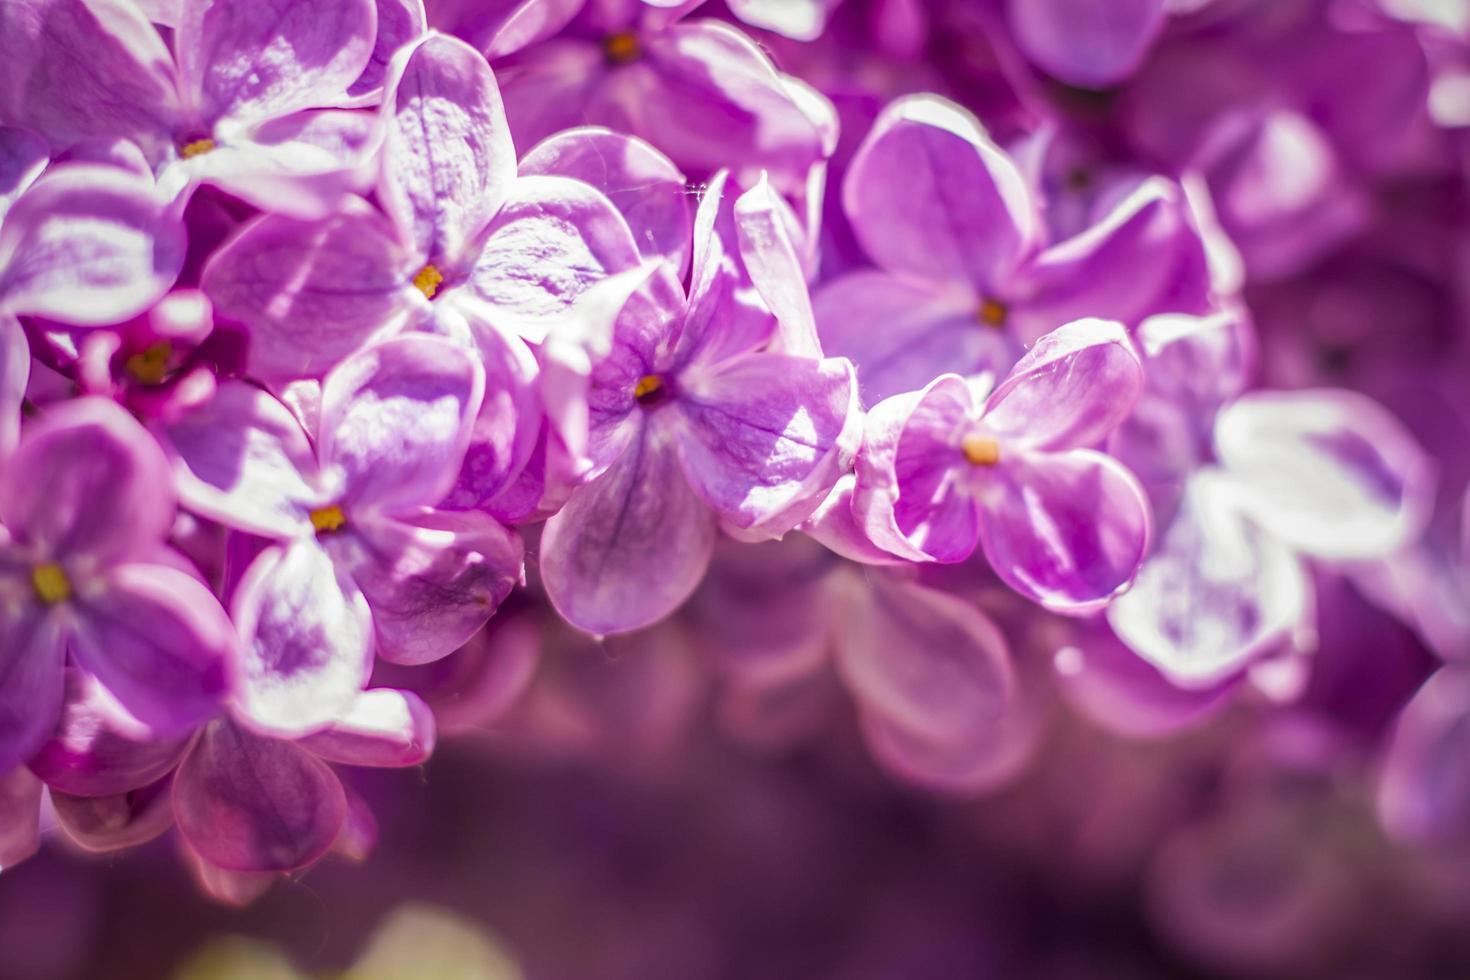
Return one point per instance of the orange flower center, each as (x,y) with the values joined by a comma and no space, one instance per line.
(328,519)
(980,449)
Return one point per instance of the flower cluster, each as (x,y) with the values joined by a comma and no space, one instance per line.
(369,368)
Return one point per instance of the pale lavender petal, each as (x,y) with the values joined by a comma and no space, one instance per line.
(248,803)
(1067,530)
(553,239)
(88,482)
(1424,793)
(642,183)
(113,822)
(764,221)
(901,335)
(399,22)
(431,581)
(1216,592)
(396,420)
(88,245)
(448,161)
(1072,389)
(1330,472)
(20,817)
(243,460)
(306,633)
(158,640)
(631,546)
(311,292)
(32,658)
(502,27)
(931,196)
(383,727)
(1088,43)
(253,60)
(800,20)
(765,436)
(15,373)
(834,525)
(552,91)
(927,660)
(23,156)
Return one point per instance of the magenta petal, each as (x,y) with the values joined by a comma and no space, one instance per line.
(396,420)
(630,547)
(95,751)
(431,581)
(158,640)
(927,660)
(502,27)
(243,460)
(448,163)
(88,482)
(20,817)
(765,436)
(307,636)
(978,761)
(1072,389)
(311,292)
(642,183)
(383,727)
(1330,472)
(247,60)
(23,158)
(931,196)
(88,245)
(32,660)
(1068,530)
(1216,592)
(554,238)
(248,803)
(15,372)
(1424,795)
(116,821)
(1088,43)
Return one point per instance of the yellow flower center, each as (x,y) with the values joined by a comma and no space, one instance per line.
(195,148)
(648,388)
(980,449)
(51,583)
(993,313)
(328,519)
(150,366)
(621,48)
(428,280)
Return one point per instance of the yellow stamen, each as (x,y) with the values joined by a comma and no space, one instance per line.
(50,582)
(428,281)
(993,313)
(980,449)
(195,148)
(648,387)
(150,366)
(328,519)
(621,48)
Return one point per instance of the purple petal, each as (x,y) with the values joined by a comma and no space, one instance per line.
(834,525)
(246,60)
(553,239)
(158,640)
(1330,472)
(247,803)
(20,817)
(23,157)
(1424,796)
(244,461)
(32,659)
(902,334)
(1068,530)
(396,420)
(642,183)
(930,196)
(15,373)
(448,163)
(502,27)
(306,631)
(399,22)
(984,759)
(383,727)
(1216,592)
(88,482)
(764,436)
(775,268)
(631,546)
(431,582)
(96,751)
(311,293)
(114,822)
(927,660)
(88,245)
(1088,43)
(1073,388)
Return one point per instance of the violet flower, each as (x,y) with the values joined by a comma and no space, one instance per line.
(362,561)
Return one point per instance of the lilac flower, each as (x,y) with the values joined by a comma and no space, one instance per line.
(1061,524)
(963,271)
(84,575)
(362,561)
